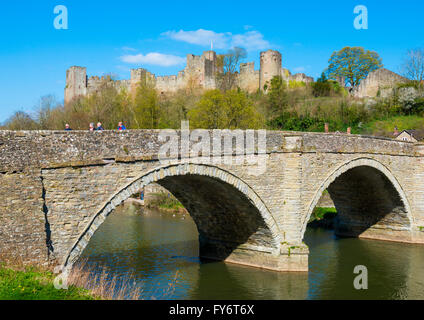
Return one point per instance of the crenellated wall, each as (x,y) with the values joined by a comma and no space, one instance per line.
(200,72)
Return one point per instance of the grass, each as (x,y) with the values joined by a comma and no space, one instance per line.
(386,127)
(33,284)
(165,201)
(84,283)
(323,213)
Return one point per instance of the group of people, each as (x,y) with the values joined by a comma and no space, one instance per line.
(99,127)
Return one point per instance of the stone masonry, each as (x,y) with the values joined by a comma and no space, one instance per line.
(200,72)
(380,82)
(58,187)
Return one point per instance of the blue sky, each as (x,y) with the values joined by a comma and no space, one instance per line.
(115,36)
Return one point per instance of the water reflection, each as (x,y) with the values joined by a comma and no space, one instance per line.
(155,246)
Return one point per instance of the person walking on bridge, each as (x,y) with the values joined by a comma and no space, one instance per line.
(121,127)
(99,126)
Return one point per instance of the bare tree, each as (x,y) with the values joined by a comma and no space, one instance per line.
(228,65)
(44,111)
(413,67)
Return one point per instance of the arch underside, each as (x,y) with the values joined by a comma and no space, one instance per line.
(225,218)
(369,201)
(368,205)
(233,223)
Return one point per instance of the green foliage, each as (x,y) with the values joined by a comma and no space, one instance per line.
(353,63)
(147,112)
(21,121)
(165,201)
(326,88)
(211,111)
(232,109)
(35,285)
(277,96)
(323,213)
(293,84)
(385,126)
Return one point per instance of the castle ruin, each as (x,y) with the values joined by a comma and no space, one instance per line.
(380,82)
(200,72)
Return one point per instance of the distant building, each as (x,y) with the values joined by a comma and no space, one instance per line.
(411,135)
(200,72)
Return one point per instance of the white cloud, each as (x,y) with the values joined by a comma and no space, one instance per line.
(154,58)
(128,49)
(250,40)
(200,37)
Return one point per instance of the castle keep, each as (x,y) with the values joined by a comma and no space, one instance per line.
(200,72)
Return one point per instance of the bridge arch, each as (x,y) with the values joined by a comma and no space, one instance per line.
(261,233)
(368,178)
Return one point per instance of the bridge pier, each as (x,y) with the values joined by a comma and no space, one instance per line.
(289,258)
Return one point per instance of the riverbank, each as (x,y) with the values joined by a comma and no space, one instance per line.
(34,284)
(85,282)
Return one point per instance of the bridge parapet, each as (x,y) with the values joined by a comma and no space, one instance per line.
(28,150)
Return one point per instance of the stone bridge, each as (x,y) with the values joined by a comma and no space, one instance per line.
(57,188)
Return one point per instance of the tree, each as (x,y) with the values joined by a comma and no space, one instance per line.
(146,107)
(241,113)
(20,120)
(45,111)
(210,112)
(353,63)
(277,96)
(413,66)
(227,66)
(324,87)
(225,110)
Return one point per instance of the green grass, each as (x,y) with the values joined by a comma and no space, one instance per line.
(162,200)
(322,213)
(32,284)
(385,127)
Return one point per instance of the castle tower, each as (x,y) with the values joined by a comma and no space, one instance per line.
(271,63)
(137,76)
(76,83)
(210,69)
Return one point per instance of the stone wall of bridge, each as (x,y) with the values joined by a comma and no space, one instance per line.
(59,186)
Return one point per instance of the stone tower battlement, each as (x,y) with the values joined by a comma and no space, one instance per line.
(76,82)
(200,72)
(271,62)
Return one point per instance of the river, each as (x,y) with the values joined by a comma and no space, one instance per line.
(157,248)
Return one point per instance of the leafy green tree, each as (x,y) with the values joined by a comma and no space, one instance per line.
(353,63)
(241,113)
(277,96)
(147,113)
(211,111)
(325,88)
(225,110)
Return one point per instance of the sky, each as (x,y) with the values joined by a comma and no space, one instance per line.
(112,37)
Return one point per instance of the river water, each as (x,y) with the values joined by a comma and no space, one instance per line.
(156,248)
